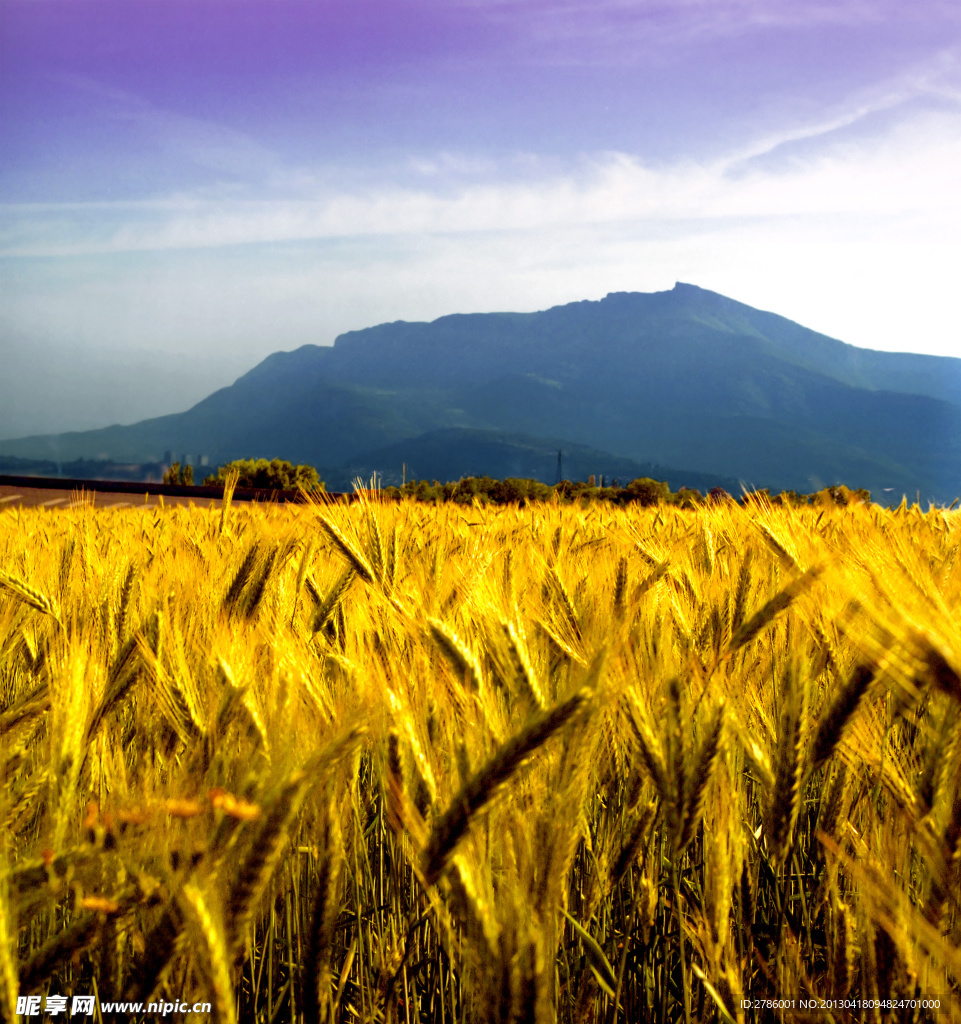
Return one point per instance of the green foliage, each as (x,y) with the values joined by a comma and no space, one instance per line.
(688,497)
(178,474)
(276,475)
(790,499)
(514,490)
(841,495)
(465,491)
(645,491)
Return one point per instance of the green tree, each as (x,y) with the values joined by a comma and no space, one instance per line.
(518,490)
(646,491)
(276,475)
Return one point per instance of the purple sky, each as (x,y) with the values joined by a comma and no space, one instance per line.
(197,184)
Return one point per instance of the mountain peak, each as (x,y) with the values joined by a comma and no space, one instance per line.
(680,289)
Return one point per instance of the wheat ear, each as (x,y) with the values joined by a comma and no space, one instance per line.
(778,604)
(789,772)
(378,559)
(521,664)
(457,653)
(361,566)
(704,766)
(123,601)
(567,604)
(450,827)
(29,595)
(743,584)
(255,592)
(232,597)
(651,755)
(620,585)
(124,673)
(838,714)
(633,843)
(784,556)
(35,703)
(327,605)
(261,859)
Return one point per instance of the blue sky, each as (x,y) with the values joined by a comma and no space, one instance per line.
(188,186)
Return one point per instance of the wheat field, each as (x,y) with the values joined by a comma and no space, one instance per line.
(405,763)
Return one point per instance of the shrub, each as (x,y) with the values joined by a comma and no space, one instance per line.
(276,475)
(645,491)
(178,474)
(688,497)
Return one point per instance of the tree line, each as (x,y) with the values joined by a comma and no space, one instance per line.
(643,491)
(258,474)
(280,475)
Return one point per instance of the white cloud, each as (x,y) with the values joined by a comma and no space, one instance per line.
(855,235)
(911,172)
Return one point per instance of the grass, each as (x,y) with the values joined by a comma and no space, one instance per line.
(391,762)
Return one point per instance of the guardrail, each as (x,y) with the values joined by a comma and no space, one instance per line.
(141,487)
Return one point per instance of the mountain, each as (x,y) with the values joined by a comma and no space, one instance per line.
(684,378)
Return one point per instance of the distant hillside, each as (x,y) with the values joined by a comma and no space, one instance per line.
(682,378)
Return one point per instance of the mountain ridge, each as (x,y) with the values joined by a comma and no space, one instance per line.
(685,377)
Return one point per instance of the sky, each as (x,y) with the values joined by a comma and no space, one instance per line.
(189,185)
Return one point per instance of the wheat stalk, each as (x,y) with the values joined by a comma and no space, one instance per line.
(9,984)
(217,960)
(316,989)
(230,485)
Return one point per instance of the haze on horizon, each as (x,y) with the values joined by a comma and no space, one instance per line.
(189,185)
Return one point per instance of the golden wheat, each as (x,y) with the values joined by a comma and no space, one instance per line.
(391,762)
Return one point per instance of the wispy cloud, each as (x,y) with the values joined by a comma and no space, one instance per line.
(191,140)
(629,31)
(908,171)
